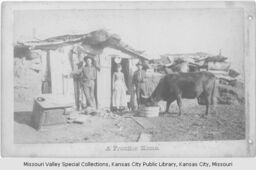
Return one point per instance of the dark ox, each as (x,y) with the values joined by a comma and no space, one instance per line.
(185,85)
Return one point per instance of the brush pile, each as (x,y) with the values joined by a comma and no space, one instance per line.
(229,88)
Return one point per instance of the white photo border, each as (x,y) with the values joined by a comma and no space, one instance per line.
(234,148)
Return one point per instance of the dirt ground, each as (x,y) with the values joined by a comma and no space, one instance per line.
(227,124)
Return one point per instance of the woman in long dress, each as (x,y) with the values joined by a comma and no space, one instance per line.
(119,89)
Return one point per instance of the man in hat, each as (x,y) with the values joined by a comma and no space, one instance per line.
(138,81)
(88,76)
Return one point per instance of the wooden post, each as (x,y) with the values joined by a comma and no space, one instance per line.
(46,83)
(74,67)
(133,102)
(104,78)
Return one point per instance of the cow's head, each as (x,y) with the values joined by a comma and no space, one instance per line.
(156,95)
(151,102)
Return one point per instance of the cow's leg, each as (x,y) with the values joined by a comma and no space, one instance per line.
(168,103)
(213,109)
(208,102)
(207,109)
(179,102)
(213,104)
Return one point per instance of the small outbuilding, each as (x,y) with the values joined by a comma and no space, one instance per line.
(61,55)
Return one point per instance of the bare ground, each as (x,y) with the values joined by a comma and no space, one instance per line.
(227,124)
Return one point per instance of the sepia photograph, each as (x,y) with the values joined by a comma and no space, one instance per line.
(129,75)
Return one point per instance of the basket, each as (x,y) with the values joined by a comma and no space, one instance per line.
(151,111)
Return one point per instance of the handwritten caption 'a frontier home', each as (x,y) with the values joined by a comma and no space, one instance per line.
(128,164)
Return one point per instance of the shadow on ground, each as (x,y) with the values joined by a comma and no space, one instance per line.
(23,117)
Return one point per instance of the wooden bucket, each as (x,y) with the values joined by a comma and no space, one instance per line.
(150,111)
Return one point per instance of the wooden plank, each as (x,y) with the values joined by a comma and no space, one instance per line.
(143,122)
(222,66)
(56,75)
(144,137)
(57,42)
(81,119)
(219,72)
(104,78)
(74,61)
(53,117)
(54,101)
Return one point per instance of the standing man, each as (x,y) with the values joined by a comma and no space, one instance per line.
(138,81)
(88,76)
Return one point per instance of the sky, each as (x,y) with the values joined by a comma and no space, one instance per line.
(154,31)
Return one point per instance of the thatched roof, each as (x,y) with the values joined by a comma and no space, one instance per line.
(98,39)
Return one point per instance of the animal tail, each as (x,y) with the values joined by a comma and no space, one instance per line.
(214,91)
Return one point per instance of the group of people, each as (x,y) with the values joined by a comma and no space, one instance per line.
(119,101)
(87,74)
